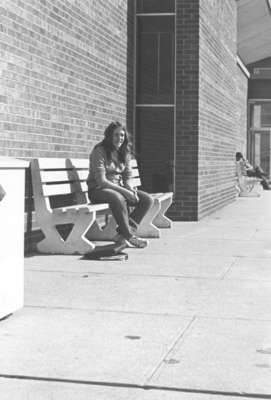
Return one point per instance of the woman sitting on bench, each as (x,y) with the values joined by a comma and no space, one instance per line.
(249,170)
(108,182)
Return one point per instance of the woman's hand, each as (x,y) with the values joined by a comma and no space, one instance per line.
(131,196)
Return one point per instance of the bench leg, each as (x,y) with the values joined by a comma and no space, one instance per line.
(249,194)
(248,189)
(161,221)
(76,242)
(106,233)
(146,228)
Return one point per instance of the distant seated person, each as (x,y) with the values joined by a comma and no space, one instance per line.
(2,192)
(248,170)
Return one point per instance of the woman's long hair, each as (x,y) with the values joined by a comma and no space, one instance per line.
(107,142)
(239,156)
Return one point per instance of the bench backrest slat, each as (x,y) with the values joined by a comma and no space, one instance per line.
(82,174)
(79,163)
(57,189)
(136,182)
(84,186)
(52,163)
(133,163)
(135,173)
(54,176)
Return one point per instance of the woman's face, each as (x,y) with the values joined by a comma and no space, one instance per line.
(118,137)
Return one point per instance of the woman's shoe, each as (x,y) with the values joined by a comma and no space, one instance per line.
(137,242)
(120,245)
(118,237)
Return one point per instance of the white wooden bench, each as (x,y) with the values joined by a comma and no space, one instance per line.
(247,186)
(151,223)
(60,200)
(162,202)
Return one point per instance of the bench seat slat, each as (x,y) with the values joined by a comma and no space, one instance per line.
(162,196)
(90,207)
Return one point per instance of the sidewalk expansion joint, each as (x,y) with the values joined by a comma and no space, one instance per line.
(102,310)
(124,275)
(137,386)
(162,314)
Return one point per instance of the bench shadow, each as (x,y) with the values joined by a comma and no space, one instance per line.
(106,253)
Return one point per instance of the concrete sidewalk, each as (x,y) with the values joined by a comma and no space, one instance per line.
(187,318)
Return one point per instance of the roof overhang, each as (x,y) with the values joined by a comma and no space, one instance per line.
(254,30)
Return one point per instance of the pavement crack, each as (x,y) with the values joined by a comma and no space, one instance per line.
(229,268)
(137,386)
(177,339)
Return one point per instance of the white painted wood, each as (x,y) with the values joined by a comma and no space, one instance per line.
(133,163)
(81,215)
(135,173)
(246,186)
(81,207)
(84,186)
(135,182)
(50,163)
(55,190)
(79,162)
(146,228)
(12,163)
(12,238)
(161,220)
(54,176)
(162,201)
(82,174)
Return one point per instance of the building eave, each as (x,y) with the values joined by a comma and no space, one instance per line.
(254,30)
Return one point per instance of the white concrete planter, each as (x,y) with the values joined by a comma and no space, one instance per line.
(12,180)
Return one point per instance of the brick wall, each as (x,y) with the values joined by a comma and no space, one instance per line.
(211,107)
(66,70)
(65,67)
(187,107)
(222,93)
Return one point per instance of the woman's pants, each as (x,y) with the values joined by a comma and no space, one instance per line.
(120,207)
(259,173)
